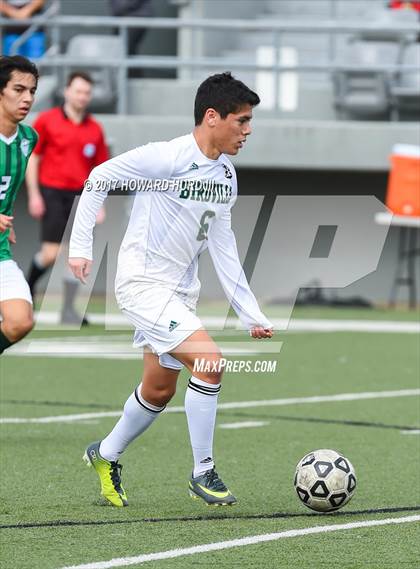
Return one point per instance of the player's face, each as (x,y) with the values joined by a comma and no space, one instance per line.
(78,94)
(17,97)
(232,131)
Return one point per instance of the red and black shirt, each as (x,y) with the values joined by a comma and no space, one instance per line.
(68,150)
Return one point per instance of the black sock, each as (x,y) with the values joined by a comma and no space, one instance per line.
(35,273)
(4,342)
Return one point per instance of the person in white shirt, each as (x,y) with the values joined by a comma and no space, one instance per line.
(157,287)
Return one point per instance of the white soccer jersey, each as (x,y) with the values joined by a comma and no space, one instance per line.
(185,209)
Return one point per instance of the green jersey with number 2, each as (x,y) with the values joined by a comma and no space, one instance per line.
(14,158)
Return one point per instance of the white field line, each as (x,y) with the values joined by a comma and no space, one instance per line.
(232,405)
(114,347)
(411,432)
(243,425)
(241,542)
(302,325)
(297,324)
(86,348)
(321,399)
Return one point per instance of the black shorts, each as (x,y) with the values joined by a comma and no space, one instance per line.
(58,219)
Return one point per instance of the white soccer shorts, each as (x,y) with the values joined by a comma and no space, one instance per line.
(161,319)
(12,282)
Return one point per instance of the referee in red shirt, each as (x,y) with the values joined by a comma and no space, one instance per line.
(71,143)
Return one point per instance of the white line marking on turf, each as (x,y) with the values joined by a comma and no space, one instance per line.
(411,432)
(309,325)
(244,425)
(103,349)
(232,405)
(321,399)
(250,540)
(61,418)
(120,347)
(295,324)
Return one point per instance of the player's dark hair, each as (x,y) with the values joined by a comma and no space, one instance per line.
(223,93)
(10,63)
(79,74)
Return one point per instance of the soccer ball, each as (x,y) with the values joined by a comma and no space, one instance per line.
(325,480)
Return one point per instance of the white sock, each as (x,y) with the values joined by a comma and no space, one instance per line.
(138,415)
(200,407)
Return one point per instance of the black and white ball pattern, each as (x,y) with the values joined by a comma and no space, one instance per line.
(325,480)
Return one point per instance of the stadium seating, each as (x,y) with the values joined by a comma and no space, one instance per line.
(385,17)
(360,95)
(95,47)
(295,94)
(405,87)
(365,93)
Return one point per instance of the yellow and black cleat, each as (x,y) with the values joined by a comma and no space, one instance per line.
(211,489)
(109,473)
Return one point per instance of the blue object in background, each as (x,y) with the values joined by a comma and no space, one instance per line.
(32,48)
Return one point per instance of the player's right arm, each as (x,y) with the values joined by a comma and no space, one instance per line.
(150,161)
(94,193)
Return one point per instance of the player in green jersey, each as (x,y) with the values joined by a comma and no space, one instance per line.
(18,83)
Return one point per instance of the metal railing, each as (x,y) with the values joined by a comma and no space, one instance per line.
(54,59)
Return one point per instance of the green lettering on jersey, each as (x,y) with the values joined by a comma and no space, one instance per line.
(205,191)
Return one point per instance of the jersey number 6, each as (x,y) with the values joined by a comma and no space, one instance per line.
(204,227)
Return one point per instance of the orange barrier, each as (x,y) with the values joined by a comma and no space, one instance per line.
(403,192)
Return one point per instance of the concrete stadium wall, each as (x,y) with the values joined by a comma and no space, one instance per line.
(168,97)
(276,143)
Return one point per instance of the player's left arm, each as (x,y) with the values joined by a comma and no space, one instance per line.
(225,257)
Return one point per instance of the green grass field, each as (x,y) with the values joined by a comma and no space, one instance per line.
(50,513)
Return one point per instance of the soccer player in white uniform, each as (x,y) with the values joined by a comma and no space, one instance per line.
(157,286)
